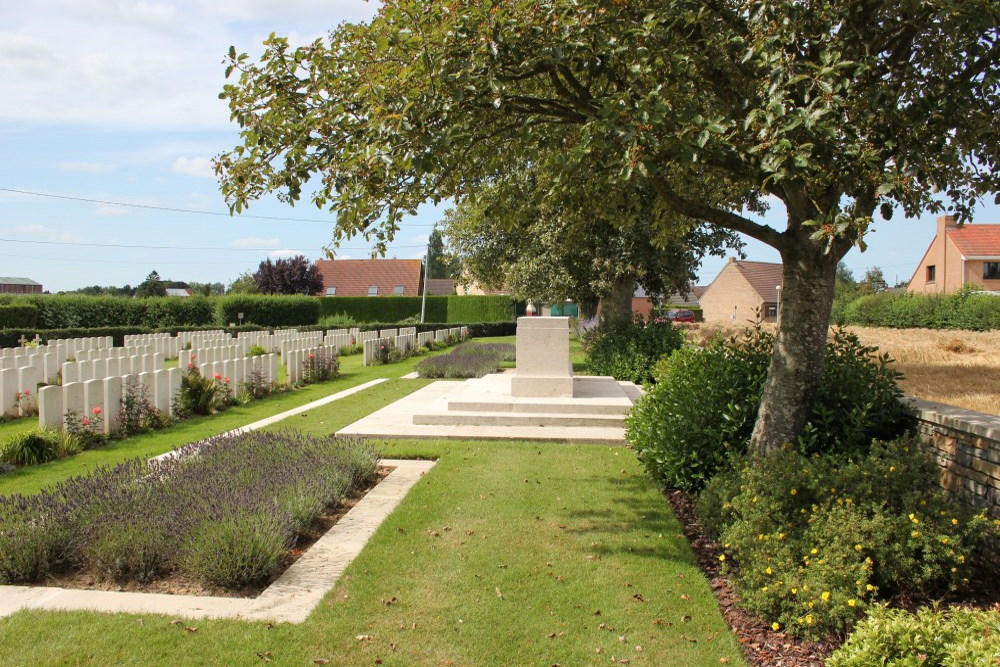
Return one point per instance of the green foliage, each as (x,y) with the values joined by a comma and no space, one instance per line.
(268,310)
(122,552)
(338,321)
(237,550)
(930,637)
(30,448)
(630,350)
(320,365)
(200,395)
(256,351)
(79,311)
(32,540)
(819,538)
(395,309)
(704,404)
(22,315)
(901,310)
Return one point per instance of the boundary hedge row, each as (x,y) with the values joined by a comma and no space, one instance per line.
(903,310)
(439,308)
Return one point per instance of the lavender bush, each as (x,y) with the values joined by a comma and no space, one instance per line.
(224,510)
(469,360)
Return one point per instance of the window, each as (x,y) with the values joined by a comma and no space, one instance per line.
(373,290)
(331,291)
(991,270)
(772,311)
(398,290)
(931,272)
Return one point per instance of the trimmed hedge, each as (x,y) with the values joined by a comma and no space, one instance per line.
(18,315)
(902,310)
(452,309)
(268,310)
(70,311)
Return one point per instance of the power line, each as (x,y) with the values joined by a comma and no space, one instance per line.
(176,247)
(119,261)
(171,209)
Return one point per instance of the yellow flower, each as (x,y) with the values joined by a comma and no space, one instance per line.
(754,499)
(825,595)
(794,492)
(954,522)
(915,533)
(852,602)
(775,626)
(768,570)
(795,591)
(814,551)
(806,587)
(809,619)
(944,540)
(810,604)
(892,468)
(869,587)
(722,557)
(961,559)
(764,589)
(857,547)
(781,536)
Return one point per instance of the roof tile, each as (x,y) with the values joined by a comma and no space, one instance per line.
(976,240)
(353,277)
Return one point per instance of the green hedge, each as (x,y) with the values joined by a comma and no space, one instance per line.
(452,309)
(18,315)
(903,310)
(66,311)
(267,310)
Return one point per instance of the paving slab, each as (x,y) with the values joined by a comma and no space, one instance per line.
(291,598)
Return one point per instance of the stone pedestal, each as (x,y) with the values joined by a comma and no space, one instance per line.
(543,367)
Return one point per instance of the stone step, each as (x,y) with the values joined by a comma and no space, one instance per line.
(518,419)
(567,407)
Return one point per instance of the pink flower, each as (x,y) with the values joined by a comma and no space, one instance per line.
(228,380)
(27,392)
(86,421)
(216,376)
(97,410)
(312,356)
(190,367)
(381,347)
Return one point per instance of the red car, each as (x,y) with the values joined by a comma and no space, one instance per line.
(678,315)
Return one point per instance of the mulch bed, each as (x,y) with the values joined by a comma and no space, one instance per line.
(176,583)
(761,645)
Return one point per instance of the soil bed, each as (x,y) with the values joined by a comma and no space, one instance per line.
(177,583)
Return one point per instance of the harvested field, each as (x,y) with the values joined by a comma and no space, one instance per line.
(960,368)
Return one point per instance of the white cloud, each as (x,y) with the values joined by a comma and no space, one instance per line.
(200,167)
(421,239)
(31,229)
(254,242)
(284,252)
(110,210)
(82,167)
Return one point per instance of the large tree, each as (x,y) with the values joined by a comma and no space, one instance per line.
(290,275)
(440,262)
(591,249)
(837,109)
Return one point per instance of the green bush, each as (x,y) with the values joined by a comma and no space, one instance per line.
(630,350)
(703,407)
(32,540)
(256,351)
(339,321)
(268,310)
(817,539)
(18,315)
(963,310)
(31,448)
(480,309)
(132,552)
(200,395)
(237,550)
(396,309)
(930,637)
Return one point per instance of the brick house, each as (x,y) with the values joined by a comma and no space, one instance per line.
(371,277)
(741,291)
(643,305)
(19,286)
(959,255)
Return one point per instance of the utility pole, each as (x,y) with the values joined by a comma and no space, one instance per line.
(427,266)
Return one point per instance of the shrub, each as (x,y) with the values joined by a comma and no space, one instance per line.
(320,365)
(18,315)
(469,360)
(127,549)
(336,321)
(966,309)
(32,538)
(268,310)
(819,538)
(442,309)
(137,414)
(200,395)
(30,448)
(630,350)
(931,637)
(503,351)
(703,407)
(239,549)
(256,351)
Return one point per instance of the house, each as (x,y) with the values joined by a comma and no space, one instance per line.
(957,256)
(371,277)
(19,286)
(644,305)
(743,291)
(181,292)
(440,287)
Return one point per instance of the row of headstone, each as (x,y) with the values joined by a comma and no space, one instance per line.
(238,371)
(302,341)
(101,400)
(378,347)
(98,369)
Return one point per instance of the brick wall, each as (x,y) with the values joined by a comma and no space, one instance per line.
(730,298)
(966,445)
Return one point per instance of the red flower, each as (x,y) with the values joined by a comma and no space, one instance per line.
(86,421)
(27,392)
(312,356)
(190,367)
(228,380)
(381,347)
(216,376)
(97,410)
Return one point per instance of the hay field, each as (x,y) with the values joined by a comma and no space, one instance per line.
(959,368)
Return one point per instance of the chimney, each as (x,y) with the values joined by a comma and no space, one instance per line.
(944,222)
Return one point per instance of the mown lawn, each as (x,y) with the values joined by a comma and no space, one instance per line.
(503,554)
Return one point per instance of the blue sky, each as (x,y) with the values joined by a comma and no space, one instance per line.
(116,102)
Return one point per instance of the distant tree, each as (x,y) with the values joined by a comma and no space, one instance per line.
(873,282)
(208,289)
(153,285)
(244,284)
(294,275)
(441,263)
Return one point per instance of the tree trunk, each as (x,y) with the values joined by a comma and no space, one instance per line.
(808,277)
(616,306)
